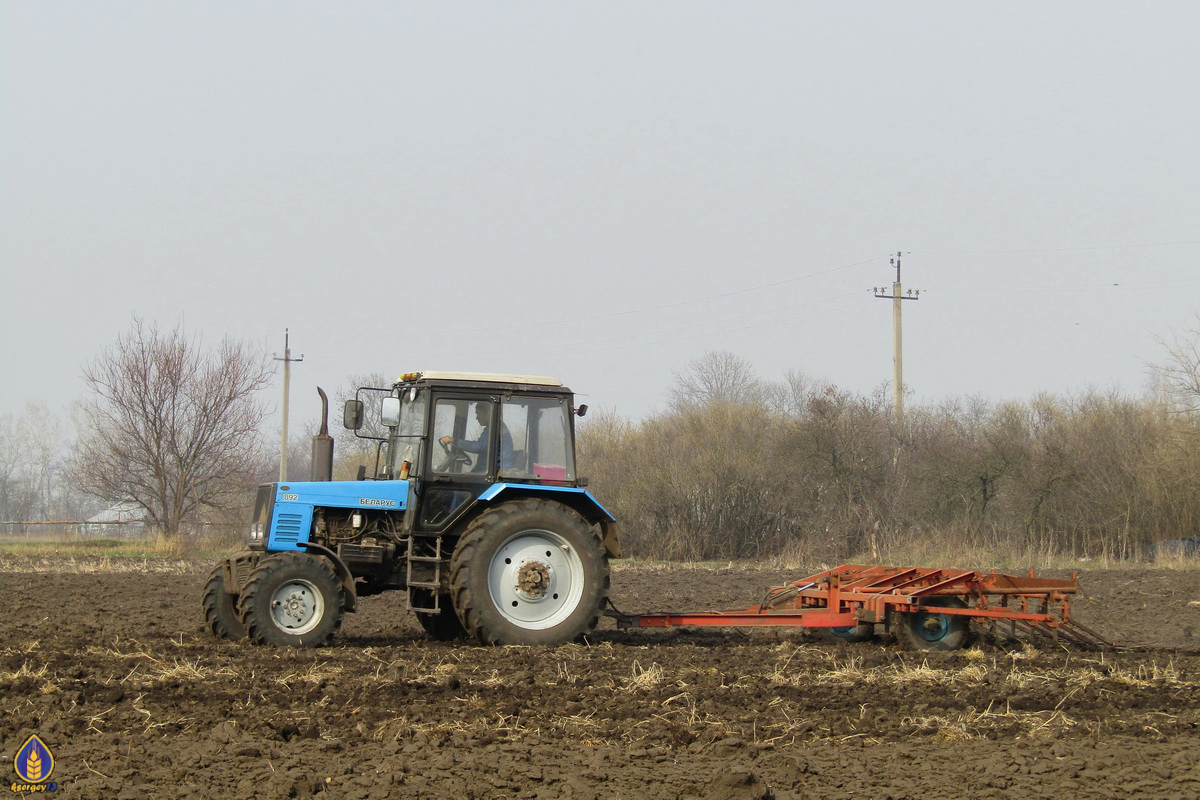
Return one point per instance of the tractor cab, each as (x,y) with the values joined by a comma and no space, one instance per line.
(460,436)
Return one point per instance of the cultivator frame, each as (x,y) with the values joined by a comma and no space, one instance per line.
(851,596)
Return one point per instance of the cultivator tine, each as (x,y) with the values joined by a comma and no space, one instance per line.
(1029,631)
(1071,632)
(1086,635)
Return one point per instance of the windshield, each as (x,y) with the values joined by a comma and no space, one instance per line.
(406,437)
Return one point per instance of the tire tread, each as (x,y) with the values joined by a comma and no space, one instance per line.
(264,632)
(222,622)
(466,558)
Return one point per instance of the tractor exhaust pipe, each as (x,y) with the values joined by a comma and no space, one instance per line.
(322,446)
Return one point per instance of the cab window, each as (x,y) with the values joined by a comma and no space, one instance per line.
(463,441)
(408,437)
(540,429)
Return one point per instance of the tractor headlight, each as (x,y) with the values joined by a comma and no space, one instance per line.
(256,532)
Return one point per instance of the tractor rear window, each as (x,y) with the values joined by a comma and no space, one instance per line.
(541,433)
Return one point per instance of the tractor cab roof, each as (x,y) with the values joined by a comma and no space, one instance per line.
(483,380)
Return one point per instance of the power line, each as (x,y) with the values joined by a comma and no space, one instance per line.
(1054,249)
(511,325)
(1078,287)
(724,332)
(644,340)
(676,304)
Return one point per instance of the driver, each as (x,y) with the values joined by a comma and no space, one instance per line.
(483,415)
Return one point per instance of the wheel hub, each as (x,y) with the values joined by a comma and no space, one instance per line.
(533,579)
(933,627)
(536,579)
(296,606)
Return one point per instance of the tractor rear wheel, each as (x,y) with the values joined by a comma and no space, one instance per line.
(529,572)
(928,630)
(220,608)
(292,600)
(444,624)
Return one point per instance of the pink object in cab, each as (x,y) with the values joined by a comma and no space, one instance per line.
(550,472)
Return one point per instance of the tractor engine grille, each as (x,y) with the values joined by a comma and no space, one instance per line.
(288,528)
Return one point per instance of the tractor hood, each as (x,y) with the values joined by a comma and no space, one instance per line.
(384,495)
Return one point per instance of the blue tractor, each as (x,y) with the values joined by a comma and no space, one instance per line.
(475,511)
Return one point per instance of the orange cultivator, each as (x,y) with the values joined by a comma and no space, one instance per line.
(927,609)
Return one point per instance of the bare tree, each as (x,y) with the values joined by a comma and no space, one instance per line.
(171,427)
(792,395)
(17,498)
(1179,378)
(350,448)
(33,486)
(716,378)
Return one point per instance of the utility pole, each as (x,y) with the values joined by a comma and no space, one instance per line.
(287,379)
(896,297)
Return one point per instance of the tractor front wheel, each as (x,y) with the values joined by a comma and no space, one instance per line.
(529,572)
(292,600)
(220,608)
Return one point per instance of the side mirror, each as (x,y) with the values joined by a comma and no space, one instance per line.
(352,415)
(389,412)
(581,410)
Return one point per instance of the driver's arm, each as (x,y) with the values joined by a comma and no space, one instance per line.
(468,446)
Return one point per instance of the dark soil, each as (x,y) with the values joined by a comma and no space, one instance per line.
(110,666)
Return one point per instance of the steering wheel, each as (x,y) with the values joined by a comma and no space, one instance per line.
(456,458)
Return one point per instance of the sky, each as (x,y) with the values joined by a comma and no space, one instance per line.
(603,192)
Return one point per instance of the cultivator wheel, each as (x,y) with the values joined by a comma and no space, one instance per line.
(292,600)
(929,630)
(850,634)
(220,611)
(529,572)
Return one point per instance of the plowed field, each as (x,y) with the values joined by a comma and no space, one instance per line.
(108,663)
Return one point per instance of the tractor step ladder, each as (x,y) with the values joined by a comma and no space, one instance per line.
(425,581)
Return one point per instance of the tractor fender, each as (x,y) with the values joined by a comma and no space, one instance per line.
(236,569)
(343,572)
(578,499)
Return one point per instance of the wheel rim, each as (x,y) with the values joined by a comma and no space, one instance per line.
(932,627)
(844,631)
(536,579)
(297,606)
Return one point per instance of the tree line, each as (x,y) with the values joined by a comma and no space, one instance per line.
(735,467)
(739,468)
